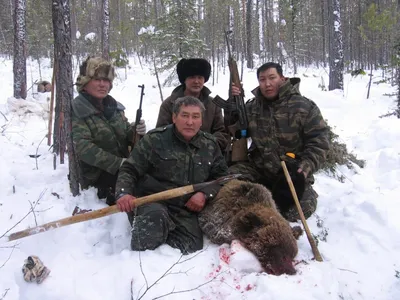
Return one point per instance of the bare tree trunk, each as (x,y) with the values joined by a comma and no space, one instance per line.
(397,51)
(19,67)
(249,41)
(359,46)
(158,78)
(64,88)
(336,63)
(293,34)
(105,30)
(323,30)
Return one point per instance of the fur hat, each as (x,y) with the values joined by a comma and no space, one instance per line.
(94,67)
(192,67)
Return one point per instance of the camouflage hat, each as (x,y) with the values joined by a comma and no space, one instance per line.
(94,67)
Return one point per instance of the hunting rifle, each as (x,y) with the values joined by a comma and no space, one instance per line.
(235,106)
(136,136)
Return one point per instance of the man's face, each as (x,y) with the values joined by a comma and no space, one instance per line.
(270,82)
(194,84)
(98,87)
(188,121)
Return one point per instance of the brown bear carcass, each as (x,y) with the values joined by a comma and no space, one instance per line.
(246,211)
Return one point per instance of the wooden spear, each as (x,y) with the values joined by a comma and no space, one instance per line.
(314,247)
(172,193)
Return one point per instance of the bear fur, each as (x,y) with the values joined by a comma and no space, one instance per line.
(247,212)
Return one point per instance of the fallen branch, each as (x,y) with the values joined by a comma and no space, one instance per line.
(32,208)
(3,115)
(346,270)
(168,271)
(159,278)
(5,293)
(13,248)
(36,154)
(33,212)
(189,290)
(141,266)
(132,289)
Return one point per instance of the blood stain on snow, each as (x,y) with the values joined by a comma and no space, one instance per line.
(215,272)
(224,255)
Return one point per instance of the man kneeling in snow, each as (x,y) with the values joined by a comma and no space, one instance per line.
(282,121)
(168,157)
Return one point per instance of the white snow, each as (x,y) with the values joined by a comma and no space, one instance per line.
(149,30)
(91,36)
(358,219)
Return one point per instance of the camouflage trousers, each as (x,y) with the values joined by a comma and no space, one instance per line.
(158,223)
(251,173)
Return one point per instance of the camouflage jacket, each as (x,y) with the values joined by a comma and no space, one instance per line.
(292,123)
(213,122)
(164,155)
(100,142)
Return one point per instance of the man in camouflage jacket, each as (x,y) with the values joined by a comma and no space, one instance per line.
(100,131)
(168,157)
(282,121)
(192,74)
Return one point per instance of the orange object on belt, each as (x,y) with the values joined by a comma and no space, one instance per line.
(290,154)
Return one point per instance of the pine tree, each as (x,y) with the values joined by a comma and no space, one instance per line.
(178,34)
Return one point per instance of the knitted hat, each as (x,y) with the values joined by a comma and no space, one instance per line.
(193,67)
(94,67)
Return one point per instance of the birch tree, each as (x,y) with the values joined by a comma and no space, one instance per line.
(19,64)
(336,63)
(105,29)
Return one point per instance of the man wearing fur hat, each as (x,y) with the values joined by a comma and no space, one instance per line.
(100,130)
(192,74)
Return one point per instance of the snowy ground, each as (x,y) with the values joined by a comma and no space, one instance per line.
(358,219)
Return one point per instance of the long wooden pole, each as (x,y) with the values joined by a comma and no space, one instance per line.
(314,247)
(172,193)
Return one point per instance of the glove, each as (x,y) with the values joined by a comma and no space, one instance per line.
(140,128)
(34,270)
(280,189)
